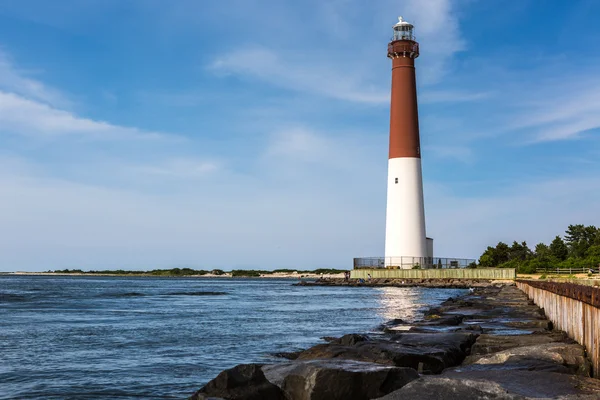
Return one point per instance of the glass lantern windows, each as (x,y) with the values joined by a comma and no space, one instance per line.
(403,32)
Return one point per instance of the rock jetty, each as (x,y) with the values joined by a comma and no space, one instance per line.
(490,344)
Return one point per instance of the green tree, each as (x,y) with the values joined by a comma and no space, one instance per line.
(593,251)
(494,256)
(559,249)
(519,251)
(542,250)
(502,253)
(487,258)
(579,238)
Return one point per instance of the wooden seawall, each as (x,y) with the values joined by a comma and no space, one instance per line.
(445,273)
(572,308)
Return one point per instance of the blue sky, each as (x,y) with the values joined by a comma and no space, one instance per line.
(253,134)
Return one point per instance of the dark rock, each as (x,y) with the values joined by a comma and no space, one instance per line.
(474,327)
(329,338)
(427,352)
(487,343)
(535,384)
(538,323)
(288,355)
(242,382)
(555,357)
(351,339)
(451,389)
(391,324)
(337,380)
(437,320)
(459,340)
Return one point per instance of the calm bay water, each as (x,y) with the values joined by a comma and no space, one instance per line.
(163,338)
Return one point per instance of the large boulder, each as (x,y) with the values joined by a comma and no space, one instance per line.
(337,380)
(425,352)
(351,339)
(533,384)
(451,389)
(243,382)
(486,343)
(557,357)
(499,385)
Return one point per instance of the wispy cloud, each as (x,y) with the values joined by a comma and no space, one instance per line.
(179,168)
(339,72)
(292,72)
(567,113)
(451,96)
(438,29)
(490,218)
(15,80)
(462,154)
(32,118)
(332,151)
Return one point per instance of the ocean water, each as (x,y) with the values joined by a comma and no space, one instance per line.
(163,338)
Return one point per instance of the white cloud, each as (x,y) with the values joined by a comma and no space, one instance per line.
(179,168)
(462,154)
(300,143)
(14,80)
(346,65)
(334,153)
(276,218)
(296,73)
(48,223)
(450,96)
(437,29)
(567,113)
(463,225)
(32,118)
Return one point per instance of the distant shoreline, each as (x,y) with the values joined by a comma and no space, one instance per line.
(275,275)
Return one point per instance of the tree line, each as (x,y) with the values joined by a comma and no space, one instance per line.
(579,248)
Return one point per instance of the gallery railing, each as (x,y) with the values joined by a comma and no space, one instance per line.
(412,262)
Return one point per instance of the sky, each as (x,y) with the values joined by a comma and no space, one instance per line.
(144,134)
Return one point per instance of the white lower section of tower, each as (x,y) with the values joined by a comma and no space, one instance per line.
(405,239)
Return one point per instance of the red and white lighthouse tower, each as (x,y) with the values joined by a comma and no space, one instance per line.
(405,239)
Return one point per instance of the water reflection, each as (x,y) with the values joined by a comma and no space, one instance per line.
(409,303)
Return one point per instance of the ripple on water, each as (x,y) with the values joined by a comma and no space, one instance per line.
(86,337)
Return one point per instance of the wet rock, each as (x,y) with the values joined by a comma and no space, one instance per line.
(426,352)
(488,343)
(556,357)
(351,339)
(532,324)
(437,320)
(391,324)
(451,389)
(329,338)
(242,382)
(337,380)
(533,384)
(474,327)
(288,355)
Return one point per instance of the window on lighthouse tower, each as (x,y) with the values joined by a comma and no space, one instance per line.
(395,180)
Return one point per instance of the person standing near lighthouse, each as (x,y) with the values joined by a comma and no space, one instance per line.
(405,236)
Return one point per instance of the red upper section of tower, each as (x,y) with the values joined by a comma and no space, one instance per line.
(404,115)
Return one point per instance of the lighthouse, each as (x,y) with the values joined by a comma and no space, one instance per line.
(406,244)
